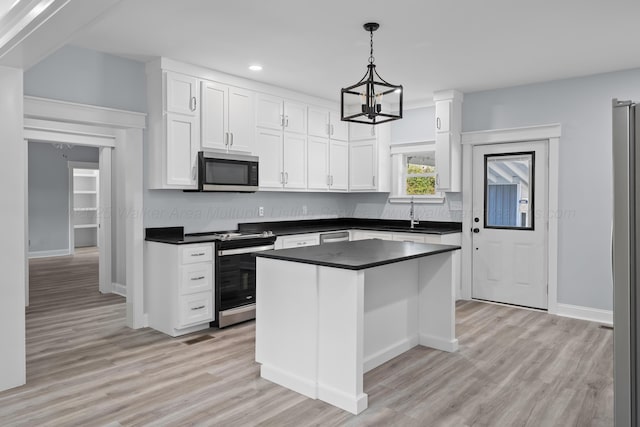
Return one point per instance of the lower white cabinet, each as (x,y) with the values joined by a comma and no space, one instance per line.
(179,283)
(365,234)
(297,241)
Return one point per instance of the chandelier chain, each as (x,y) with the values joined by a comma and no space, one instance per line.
(371,57)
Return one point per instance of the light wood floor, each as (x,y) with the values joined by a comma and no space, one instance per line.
(515,367)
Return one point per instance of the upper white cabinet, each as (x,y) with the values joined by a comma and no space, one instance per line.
(174,128)
(360,132)
(328,152)
(339,130)
(338,165)
(228,118)
(278,113)
(317,162)
(181,94)
(281,143)
(319,122)
(370,160)
(448,149)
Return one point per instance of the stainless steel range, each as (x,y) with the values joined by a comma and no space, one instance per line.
(236,275)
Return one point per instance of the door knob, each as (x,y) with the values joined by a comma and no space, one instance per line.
(476,230)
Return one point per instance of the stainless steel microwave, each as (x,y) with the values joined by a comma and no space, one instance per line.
(227,172)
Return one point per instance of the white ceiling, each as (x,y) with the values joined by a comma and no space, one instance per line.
(426,45)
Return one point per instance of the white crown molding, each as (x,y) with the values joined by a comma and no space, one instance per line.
(71,112)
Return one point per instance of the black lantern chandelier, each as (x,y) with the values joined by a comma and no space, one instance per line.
(362,102)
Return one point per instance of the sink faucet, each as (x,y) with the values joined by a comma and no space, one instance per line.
(412,218)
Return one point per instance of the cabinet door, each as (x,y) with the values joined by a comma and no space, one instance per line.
(339,165)
(269,112)
(362,157)
(318,163)
(269,149)
(318,122)
(359,132)
(443,161)
(182,94)
(339,129)
(214,119)
(241,120)
(295,117)
(443,115)
(295,161)
(182,142)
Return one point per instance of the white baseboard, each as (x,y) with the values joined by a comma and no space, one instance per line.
(47,254)
(386,354)
(439,343)
(304,386)
(351,403)
(585,313)
(119,289)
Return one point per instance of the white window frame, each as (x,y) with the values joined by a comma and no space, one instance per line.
(399,175)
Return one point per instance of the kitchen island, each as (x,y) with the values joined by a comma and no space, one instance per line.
(327,314)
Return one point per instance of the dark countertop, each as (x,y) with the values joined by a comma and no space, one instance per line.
(283,228)
(357,255)
(176,236)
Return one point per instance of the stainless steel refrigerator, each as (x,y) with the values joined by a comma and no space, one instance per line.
(625,253)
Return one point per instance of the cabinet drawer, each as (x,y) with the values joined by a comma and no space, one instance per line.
(194,309)
(416,238)
(432,238)
(196,278)
(299,241)
(193,254)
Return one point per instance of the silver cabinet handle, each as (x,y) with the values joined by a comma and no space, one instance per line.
(328,129)
(331,129)
(438,123)
(197,278)
(193,104)
(281,177)
(231,133)
(198,254)
(282,120)
(286,121)
(331,179)
(200,307)
(328,179)
(286,177)
(226,138)
(193,172)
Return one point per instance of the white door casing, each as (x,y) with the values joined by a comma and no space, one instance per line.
(550,133)
(510,227)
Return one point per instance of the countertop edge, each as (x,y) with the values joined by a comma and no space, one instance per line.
(275,256)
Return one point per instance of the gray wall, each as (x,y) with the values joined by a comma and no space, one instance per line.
(583,107)
(88,77)
(49,194)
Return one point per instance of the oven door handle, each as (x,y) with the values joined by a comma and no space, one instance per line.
(245,250)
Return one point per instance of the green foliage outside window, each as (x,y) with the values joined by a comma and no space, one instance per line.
(420,185)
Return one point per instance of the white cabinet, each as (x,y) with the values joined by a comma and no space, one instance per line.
(174,128)
(338,165)
(280,114)
(365,234)
(295,161)
(297,241)
(448,148)
(327,164)
(370,161)
(319,122)
(179,282)
(359,131)
(338,129)
(281,143)
(408,237)
(228,118)
(362,165)
(181,94)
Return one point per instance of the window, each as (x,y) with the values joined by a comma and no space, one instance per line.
(414,174)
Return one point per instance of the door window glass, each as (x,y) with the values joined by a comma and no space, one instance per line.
(508,192)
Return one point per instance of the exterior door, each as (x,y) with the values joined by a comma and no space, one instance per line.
(510,185)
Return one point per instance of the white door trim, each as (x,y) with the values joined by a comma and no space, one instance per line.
(550,133)
(49,120)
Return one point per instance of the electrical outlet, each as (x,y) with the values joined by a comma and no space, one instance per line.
(261,211)
(304,209)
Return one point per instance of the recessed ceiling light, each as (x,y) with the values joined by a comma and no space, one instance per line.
(255,67)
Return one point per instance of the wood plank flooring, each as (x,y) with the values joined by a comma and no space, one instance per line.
(515,367)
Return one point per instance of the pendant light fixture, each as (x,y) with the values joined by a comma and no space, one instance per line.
(363,101)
